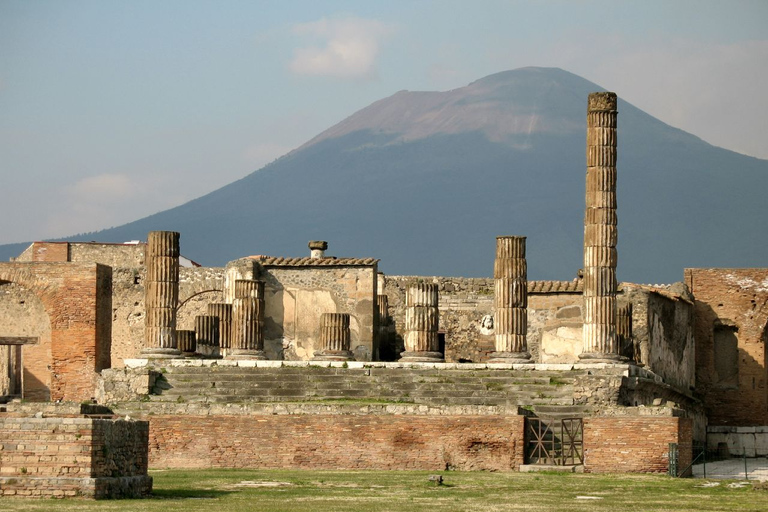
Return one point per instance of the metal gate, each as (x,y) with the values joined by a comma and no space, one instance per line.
(557,443)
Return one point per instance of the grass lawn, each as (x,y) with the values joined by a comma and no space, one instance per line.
(308,491)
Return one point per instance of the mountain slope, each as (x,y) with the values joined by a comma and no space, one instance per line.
(426,180)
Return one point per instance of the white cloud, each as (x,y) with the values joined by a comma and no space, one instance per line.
(349,47)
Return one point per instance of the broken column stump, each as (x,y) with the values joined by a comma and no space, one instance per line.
(334,338)
(510,274)
(422,322)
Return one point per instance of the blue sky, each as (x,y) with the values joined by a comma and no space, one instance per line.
(114,110)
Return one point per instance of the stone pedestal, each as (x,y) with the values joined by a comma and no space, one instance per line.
(422,322)
(600,232)
(187,342)
(248,321)
(334,338)
(224,312)
(207,336)
(161,294)
(510,321)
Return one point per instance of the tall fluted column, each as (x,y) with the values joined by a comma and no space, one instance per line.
(600,231)
(422,322)
(187,342)
(510,274)
(248,320)
(161,293)
(334,338)
(207,336)
(224,312)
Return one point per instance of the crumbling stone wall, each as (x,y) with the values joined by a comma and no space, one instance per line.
(23,314)
(61,457)
(731,332)
(663,334)
(466,306)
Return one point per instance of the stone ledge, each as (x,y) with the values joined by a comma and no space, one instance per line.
(253,363)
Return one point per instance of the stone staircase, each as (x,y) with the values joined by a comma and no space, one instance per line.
(545,391)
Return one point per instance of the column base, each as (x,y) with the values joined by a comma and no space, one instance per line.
(510,358)
(421,357)
(240,354)
(601,357)
(161,353)
(333,355)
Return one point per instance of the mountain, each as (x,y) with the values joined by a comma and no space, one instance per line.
(427,180)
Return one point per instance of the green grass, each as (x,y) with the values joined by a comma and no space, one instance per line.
(340,491)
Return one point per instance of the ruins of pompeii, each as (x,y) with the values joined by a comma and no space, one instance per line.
(119,357)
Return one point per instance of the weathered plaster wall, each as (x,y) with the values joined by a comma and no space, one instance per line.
(731,331)
(296,297)
(22,313)
(68,293)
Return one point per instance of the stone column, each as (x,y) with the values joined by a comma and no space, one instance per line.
(600,232)
(334,338)
(422,321)
(187,342)
(207,336)
(224,312)
(161,294)
(510,322)
(248,320)
(624,331)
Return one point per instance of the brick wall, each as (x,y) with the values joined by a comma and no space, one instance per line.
(635,444)
(67,367)
(62,457)
(732,303)
(337,442)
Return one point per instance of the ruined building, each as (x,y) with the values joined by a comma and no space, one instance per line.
(451,372)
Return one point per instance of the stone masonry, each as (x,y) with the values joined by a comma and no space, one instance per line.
(511,300)
(600,231)
(161,294)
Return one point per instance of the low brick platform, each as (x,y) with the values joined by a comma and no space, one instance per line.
(76,456)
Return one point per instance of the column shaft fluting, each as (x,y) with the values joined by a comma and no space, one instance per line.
(624,331)
(161,294)
(187,342)
(247,320)
(422,324)
(334,338)
(224,312)
(207,336)
(600,231)
(510,274)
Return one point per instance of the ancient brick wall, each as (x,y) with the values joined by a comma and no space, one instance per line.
(731,332)
(635,444)
(326,441)
(68,366)
(59,457)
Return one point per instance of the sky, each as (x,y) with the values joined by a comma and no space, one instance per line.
(111,110)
